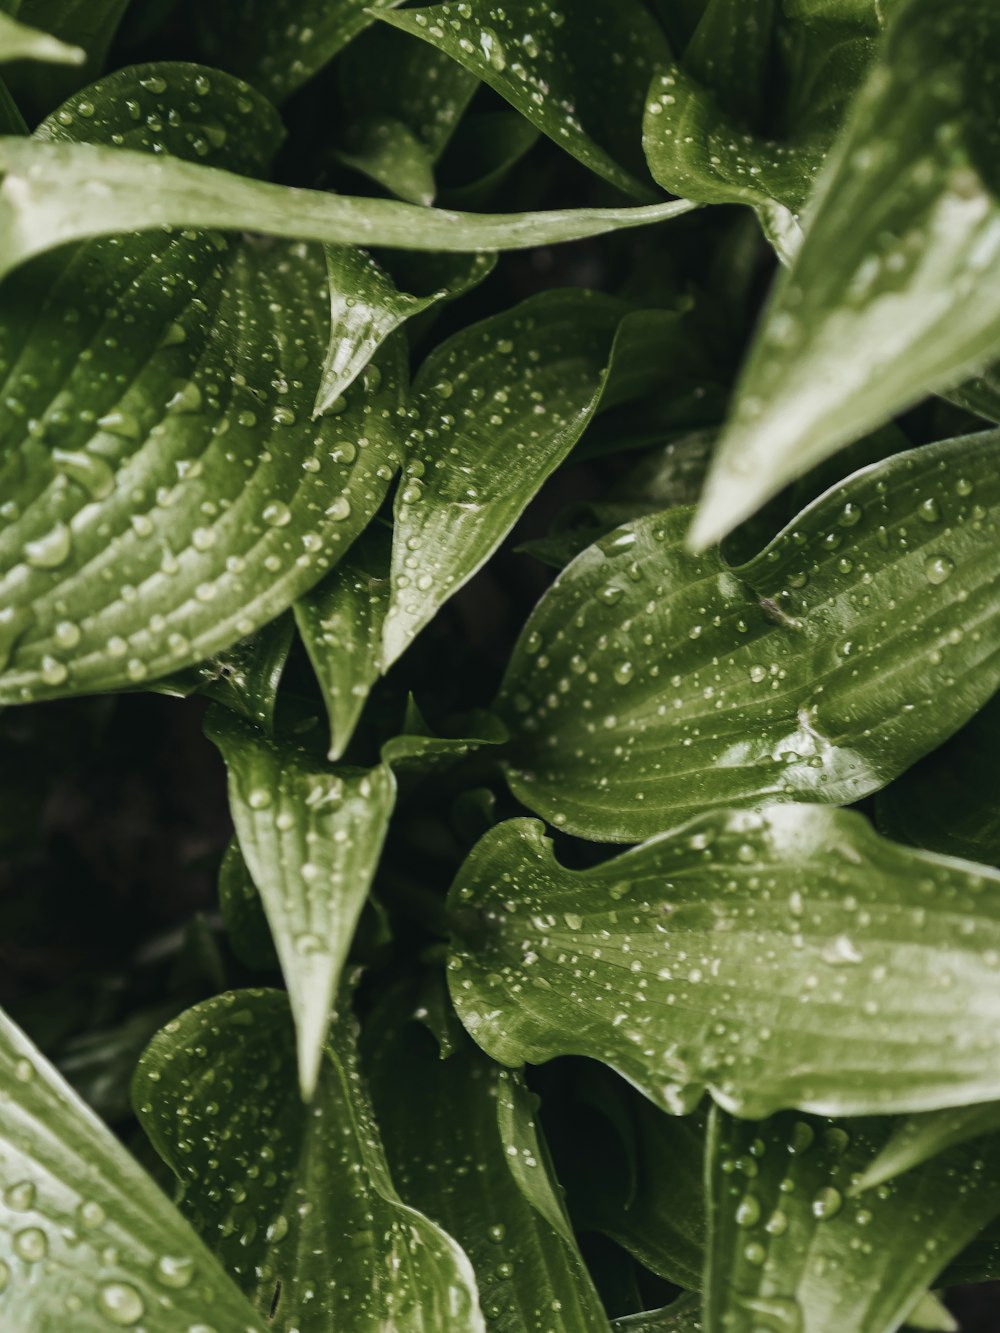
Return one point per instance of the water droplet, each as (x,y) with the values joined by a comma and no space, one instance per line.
(623,673)
(31,1245)
(850,515)
(492,48)
(340,509)
(840,950)
(827,1203)
(92,473)
(259,798)
(173,1272)
(748,1211)
(276,514)
(20,1197)
(91,1214)
(121,1303)
(50,551)
(938,569)
(307,944)
(186,400)
(930,511)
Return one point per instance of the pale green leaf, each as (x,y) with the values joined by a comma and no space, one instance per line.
(170,494)
(651,684)
(787,958)
(19,42)
(895,292)
(311,837)
(499,406)
(791,1248)
(578,73)
(86,27)
(918,1138)
(87,1239)
(297,1200)
(390,154)
(443,1122)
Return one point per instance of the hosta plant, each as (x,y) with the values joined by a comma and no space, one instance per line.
(499,660)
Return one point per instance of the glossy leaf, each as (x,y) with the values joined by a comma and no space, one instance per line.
(86,26)
(789,958)
(366,307)
(20,42)
(443,1122)
(651,684)
(46,184)
(499,406)
(87,1239)
(981,394)
(792,1249)
(579,74)
(682,1316)
(340,621)
(297,1200)
(171,494)
(894,294)
(950,801)
(311,837)
(919,1138)
(731,51)
(279,44)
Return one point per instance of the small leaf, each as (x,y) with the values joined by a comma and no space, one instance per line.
(19,42)
(683,1316)
(443,1122)
(893,294)
(311,837)
(579,74)
(918,1138)
(85,28)
(366,307)
(791,1248)
(389,153)
(981,394)
(340,621)
(855,643)
(87,1239)
(45,185)
(499,406)
(314,1230)
(789,958)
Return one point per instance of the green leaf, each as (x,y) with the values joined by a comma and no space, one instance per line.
(486,148)
(84,27)
(918,1138)
(389,153)
(87,1240)
(894,293)
(279,44)
(340,621)
(651,684)
(950,801)
(792,1249)
(19,42)
(297,1200)
(45,185)
(243,913)
(499,406)
(578,73)
(682,1316)
(981,394)
(447,1132)
(730,52)
(788,958)
(366,307)
(170,494)
(311,837)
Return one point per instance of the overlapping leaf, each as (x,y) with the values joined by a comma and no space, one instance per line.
(792,1248)
(297,1200)
(788,958)
(84,26)
(683,1316)
(552,65)
(650,684)
(20,42)
(895,293)
(919,1138)
(87,1239)
(443,1122)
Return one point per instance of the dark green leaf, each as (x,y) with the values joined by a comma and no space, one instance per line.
(651,684)
(487,147)
(791,1249)
(389,153)
(918,1138)
(297,1200)
(19,42)
(789,958)
(443,1121)
(730,52)
(578,73)
(311,837)
(87,1240)
(243,913)
(894,293)
(87,26)
(981,394)
(683,1316)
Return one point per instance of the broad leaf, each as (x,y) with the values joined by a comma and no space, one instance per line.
(170,493)
(895,293)
(297,1200)
(340,621)
(499,406)
(87,1239)
(311,837)
(443,1123)
(279,44)
(651,684)
(790,958)
(950,801)
(366,307)
(19,42)
(918,1138)
(792,1249)
(46,186)
(578,73)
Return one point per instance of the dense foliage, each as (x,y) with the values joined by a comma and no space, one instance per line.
(511,430)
